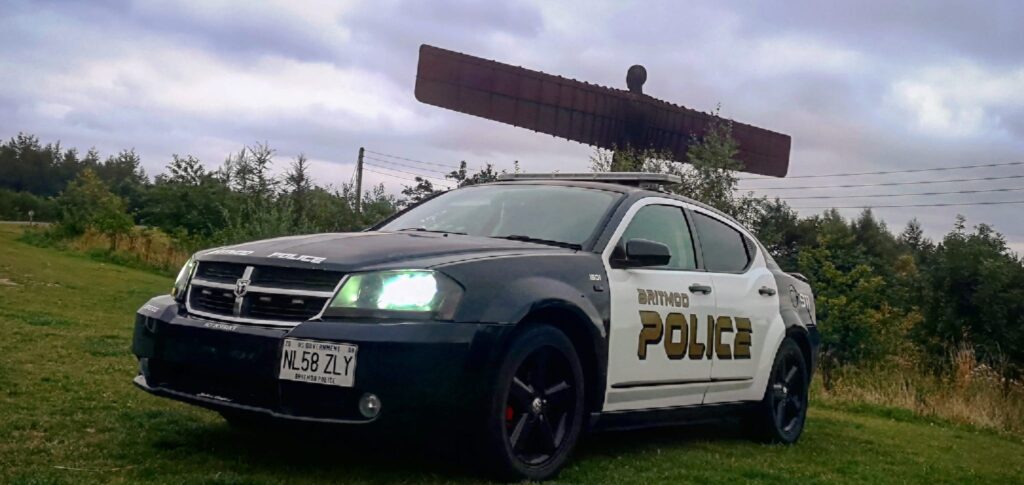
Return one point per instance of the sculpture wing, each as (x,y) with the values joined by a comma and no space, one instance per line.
(578,111)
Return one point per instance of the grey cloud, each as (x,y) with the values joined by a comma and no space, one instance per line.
(1013,121)
(697,54)
(386,35)
(242,32)
(238,34)
(908,31)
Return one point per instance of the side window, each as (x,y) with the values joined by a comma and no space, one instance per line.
(667,225)
(725,250)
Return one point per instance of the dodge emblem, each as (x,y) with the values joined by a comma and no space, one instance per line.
(241,286)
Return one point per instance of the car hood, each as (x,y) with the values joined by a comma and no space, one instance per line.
(371,250)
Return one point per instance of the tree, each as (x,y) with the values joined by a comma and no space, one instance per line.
(249,172)
(187,170)
(913,240)
(783,232)
(975,297)
(124,175)
(28,166)
(88,203)
(485,175)
(708,177)
(297,185)
(711,177)
(188,201)
(425,189)
(875,242)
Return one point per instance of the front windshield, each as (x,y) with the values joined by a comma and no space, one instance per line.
(545,212)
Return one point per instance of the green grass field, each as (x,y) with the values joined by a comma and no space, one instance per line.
(69,414)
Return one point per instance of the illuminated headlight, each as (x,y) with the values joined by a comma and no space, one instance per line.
(400,293)
(184,276)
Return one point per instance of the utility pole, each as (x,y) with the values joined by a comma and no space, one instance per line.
(359,182)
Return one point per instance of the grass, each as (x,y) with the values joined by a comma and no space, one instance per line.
(142,248)
(68,414)
(972,394)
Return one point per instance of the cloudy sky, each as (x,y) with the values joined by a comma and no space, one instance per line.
(875,85)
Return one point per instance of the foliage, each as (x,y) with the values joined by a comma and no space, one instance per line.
(298,185)
(972,393)
(709,176)
(425,189)
(25,206)
(88,204)
(188,201)
(975,297)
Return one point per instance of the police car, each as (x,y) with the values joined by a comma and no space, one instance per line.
(528,311)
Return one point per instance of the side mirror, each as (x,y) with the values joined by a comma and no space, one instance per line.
(642,252)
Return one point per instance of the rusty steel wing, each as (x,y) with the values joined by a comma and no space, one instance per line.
(587,113)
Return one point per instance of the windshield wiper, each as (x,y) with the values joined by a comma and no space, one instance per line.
(549,242)
(423,229)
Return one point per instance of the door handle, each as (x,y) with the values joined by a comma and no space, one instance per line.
(766,291)
(699,288)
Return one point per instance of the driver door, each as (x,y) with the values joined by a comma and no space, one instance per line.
(658,343)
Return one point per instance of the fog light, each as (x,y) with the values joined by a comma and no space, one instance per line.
(369,405)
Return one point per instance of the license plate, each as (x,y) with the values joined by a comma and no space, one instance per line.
(316,362)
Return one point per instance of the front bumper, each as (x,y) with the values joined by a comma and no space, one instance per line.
(415,368)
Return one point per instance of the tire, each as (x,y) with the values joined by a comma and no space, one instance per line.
(536,407)
(781,415)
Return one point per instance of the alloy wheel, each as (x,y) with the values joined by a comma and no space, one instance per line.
(788,395)
(540,407)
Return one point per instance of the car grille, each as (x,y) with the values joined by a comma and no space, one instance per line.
(273,293)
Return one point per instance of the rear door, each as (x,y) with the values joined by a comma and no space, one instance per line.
(658,343)
(746,300)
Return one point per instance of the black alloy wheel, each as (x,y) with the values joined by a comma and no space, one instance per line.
(784,408)
(540,407)
(787,396)
(537,406)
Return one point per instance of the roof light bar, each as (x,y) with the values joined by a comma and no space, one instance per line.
(638,179)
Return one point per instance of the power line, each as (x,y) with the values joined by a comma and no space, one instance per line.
(951,204)
(389,174)
(388,155)
(407,173)
(862,196)
(381,160)
(884,172)
(397,176)
(886,184)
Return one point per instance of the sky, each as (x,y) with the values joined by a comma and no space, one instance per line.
(872,85)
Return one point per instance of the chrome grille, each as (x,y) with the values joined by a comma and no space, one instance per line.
(270,295)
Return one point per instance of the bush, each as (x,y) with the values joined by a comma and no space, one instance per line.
(88,204)
(15,206)
(972,393)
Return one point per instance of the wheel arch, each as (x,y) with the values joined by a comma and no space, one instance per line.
(803,340)
(575,324)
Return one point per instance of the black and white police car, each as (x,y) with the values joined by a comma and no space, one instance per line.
(530,311)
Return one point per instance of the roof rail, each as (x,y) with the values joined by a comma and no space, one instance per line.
(644,180)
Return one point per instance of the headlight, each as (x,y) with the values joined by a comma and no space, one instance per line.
(400,293)
(184,276)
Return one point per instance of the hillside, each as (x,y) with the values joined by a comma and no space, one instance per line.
(69,414)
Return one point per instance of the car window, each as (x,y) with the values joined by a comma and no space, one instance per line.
(724,248)
(667,225)
(552,212)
